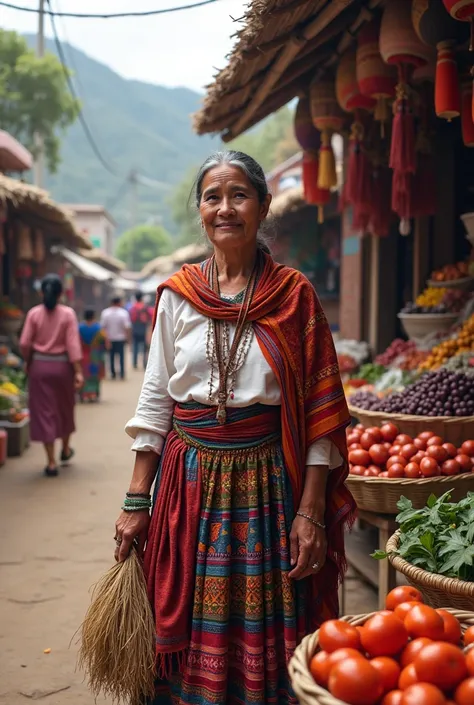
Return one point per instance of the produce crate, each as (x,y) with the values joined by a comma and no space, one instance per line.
(381,494)
(437,590)
(18,436)
(453,429)
(306,689)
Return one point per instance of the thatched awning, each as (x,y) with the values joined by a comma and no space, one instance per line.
(37,209)
(283,45)
(170,263)
(107,261)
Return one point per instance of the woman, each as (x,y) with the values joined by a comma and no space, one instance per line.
(93,350)
(243,403)
(51,348)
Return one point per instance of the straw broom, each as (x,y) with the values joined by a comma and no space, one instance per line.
(117,649)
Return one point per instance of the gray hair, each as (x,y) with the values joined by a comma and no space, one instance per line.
(252,170)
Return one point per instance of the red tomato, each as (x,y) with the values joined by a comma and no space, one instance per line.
(452,628)
(336,634)
(439,453)
(384,635)
(407,677)
(426,435)
(402,439)
(400,594)
(395,450)
(372,472)
(424,621)
(389,432)
(359,427)
(418,457)
(420,443)
(412,470)
(356,682)
(468,448)
(450,467)
(375,431)
(341,654)
(354,446)
(387,445)
(423,694)
(396,470)
(464,461)
(428,467)
(389,672)
(319,668)
(468,636)
(353,437)
(470,662)
(434,441)
(379,454)
(393,698)
(408,450)
(367,440)
(464,694)
(384,474)
(397,460)
(360,457)
(403,608)
(441,664)
(357,470)
(413,648)
(450,448)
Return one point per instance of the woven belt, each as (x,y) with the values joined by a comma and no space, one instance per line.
(44,357)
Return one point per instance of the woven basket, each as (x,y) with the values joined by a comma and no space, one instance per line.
(452,429)
(381,494)
(306,689)
(437,590)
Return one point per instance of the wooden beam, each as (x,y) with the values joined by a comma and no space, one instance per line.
(295,44)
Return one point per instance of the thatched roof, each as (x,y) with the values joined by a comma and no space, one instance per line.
(283,45)
(36,208)
(107,261)
(288,201)
(170,263)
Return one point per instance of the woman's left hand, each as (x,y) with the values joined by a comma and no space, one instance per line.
(308,547)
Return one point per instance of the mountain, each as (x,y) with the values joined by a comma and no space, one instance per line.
(136,125)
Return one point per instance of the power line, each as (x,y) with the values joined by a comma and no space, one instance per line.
(113,15)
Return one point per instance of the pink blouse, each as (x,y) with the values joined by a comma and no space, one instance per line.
(51,332)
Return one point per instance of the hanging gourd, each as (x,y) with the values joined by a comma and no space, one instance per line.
(467,123)
(436,28)
(358,186)
(308,138)
(375,78)
(328,119)
(400,46)
(462,10)
(25,246)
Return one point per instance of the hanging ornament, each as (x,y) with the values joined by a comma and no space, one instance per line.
(309,140)
(467,123)
(462,10)
(447,93)
(328,119)
(25,246)
(400,46)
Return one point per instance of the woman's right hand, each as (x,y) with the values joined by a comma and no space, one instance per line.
(128,527)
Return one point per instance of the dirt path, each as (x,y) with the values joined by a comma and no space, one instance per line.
(57,540)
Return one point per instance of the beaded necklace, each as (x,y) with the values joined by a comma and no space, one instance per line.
(228,358)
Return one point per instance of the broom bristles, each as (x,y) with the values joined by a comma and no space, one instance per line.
(117,649)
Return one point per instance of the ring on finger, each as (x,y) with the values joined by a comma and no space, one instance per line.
(315,565)
(118,540)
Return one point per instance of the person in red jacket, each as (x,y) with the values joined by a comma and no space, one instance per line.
(141,318)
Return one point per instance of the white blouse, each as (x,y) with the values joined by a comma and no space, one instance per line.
(178,371)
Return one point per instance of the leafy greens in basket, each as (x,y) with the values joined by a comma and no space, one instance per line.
(438,538)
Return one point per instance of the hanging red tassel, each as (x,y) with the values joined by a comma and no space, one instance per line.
(313,194)
(402,148)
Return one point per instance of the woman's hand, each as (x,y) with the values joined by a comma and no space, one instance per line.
(78,380)
(130,526)
(308,547)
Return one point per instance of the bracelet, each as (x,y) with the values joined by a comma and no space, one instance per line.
(136,504)
(132,495)
(313,521)
(135,509)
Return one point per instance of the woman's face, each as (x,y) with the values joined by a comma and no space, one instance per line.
(230,210)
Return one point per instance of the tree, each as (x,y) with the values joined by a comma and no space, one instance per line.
(34,97)
(143,243)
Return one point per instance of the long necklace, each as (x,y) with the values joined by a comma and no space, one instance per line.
(229,358)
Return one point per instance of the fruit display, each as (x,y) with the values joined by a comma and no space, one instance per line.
(385,452)
(439,393)
(370,372)
(451,272)
(357,350)
(9,311)
(406,654)
(396,348)
(463,341)
(431,296)
(437,538)
(464,362)
(451,301)
(411,361)
(347,364)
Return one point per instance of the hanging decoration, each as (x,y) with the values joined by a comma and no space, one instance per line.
(328,119)
(358,185)
(308,138)
(25,246)
(462,10)
(467,123)
(375,78)
(400,46)
(436,28)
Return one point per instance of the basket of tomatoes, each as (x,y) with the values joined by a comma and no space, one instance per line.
(385,464)
(407,654)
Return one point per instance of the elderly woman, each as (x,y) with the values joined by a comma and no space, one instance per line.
(243,413)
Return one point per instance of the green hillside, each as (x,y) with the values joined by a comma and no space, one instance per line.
(136,126)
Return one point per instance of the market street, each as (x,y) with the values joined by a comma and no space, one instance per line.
(57,541)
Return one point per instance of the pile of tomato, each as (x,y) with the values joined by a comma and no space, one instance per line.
(407,654)
(385,452)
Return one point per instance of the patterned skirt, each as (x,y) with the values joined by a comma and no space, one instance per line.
(245,614)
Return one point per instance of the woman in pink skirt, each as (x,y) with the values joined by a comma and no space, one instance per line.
(51,348)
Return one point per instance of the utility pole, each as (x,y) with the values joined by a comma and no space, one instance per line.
(39,162)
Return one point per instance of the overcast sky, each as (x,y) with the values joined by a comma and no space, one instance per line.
(177,49)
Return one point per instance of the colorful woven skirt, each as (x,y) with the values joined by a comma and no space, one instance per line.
(228,617)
